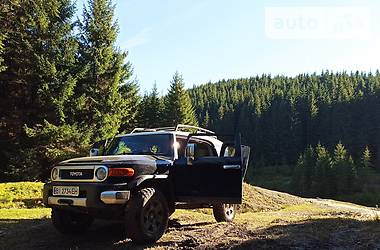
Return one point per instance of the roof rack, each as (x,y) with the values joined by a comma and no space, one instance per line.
(179,127)
(198,129)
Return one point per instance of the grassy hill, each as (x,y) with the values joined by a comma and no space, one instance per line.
(267,219)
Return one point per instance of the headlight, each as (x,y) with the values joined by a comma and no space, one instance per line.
(54,174)
(101,173)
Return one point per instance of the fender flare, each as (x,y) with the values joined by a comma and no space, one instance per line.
(161,181)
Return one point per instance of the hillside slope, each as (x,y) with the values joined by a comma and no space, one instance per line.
(258,199)
(267,220)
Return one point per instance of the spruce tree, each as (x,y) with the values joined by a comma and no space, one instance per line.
(37,82)
(298,180)
(206,120)
(309,159)
(323,177)
(103,88)
(345,170)
(178,106)
(150,110)
(364,172)
(130,93)
(304,172)
(366,158)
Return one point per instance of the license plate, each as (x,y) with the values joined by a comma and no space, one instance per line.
(65,191)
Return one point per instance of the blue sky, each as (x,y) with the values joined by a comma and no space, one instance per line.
(208,40)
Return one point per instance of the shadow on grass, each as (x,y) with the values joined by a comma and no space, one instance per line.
(22,203)
(40,234)
(310,234)
(334,233)
(175,224)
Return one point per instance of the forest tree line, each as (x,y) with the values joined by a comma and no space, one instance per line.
(280,116)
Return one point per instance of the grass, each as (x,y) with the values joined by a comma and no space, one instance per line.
(24,213)
(21,194)
(258,199)
(272,177)
(267,219)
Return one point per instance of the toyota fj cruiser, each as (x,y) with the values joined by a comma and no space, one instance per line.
(142,177)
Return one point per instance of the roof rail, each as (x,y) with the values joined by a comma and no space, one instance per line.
(137,130)
(179,127)
(198,129)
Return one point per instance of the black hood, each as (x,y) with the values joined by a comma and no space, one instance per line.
(142,164)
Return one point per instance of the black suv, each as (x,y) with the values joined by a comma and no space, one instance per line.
(142,177)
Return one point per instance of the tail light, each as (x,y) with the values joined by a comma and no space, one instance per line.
(121,172)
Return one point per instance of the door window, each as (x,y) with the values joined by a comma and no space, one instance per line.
(203,149)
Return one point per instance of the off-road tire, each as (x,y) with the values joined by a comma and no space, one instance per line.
(224,212)
(146,215)
(68,222)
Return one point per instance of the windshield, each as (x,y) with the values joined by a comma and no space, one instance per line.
(158,144)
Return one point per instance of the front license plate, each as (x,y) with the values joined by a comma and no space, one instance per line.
(65,191)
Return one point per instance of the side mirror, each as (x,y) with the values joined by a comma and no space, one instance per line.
(98,147)
(189,153)
(94,152)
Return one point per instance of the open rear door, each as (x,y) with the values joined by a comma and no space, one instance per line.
(212,179)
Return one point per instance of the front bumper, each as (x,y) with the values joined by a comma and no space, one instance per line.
(91,195)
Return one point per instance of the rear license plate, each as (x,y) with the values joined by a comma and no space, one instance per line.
(65,191)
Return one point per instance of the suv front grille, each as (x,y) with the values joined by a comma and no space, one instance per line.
(77,174)
(84,173)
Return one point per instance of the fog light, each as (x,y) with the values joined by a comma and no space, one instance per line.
(101,173)
(54,174)
(122,195)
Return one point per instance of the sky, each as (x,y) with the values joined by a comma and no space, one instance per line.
(211,40)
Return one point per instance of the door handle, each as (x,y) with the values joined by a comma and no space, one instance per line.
(231,166)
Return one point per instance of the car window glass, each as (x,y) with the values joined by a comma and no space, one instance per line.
(229,151)
(203,149)
(156,144)
(181,145)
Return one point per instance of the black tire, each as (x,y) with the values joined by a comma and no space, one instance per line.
(147,216)
(224,212)
(68,222)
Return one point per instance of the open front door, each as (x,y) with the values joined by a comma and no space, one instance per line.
(212,179)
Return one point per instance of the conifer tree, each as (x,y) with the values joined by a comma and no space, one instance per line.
(37,82)
(323,176)
(103,88)
(150,110)
(345,170)
(298,180)
(309,164)
(304,172)
(364,172)
(178,106)
(206,120)
(366,158)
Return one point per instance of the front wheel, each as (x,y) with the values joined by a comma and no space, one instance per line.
(68,222)
(147,216)
(224,212)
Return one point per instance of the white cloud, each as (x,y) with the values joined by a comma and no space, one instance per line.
(140,38)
